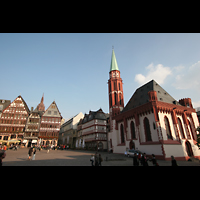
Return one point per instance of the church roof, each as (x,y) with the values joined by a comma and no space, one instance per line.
(113,65)
(141,97)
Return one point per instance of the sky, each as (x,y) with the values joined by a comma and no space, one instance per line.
(73,68)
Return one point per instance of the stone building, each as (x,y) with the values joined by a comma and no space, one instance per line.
(92,131)
(152,121)
(68,131)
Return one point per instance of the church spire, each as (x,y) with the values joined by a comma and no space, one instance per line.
(113,65)
(41,106)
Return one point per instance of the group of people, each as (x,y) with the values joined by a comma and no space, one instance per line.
(143,159)
(96,159)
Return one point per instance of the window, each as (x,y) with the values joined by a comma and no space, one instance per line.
(132,130)
(120,100)
(55,112)
(168,130)
(122,133)
(115,98)
(49,112)
(147,129)
(191,130)
(181,128)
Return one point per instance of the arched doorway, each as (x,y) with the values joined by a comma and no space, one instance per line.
(189,149)
(132,145)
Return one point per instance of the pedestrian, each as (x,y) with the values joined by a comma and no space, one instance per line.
(96,160)
(154,161)
(2,156)
(48,147)
(30,153)
(144,160)
(100,160)
(173,161)
(5,148)
(34,152)
(135,160)
(92,160)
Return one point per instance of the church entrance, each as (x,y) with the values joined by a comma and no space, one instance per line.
(132,145)
(189,149)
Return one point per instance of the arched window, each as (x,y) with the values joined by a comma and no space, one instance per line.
(147,129)
(133,130)
(191,130)
(181,128)
(111,99)
(120,99)
(122,133)
(168,130)
(115,98)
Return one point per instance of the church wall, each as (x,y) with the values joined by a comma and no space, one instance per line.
(162,123)
(154,134)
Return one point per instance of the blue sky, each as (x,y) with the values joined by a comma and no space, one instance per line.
(73,68)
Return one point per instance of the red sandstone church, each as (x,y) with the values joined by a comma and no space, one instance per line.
(152,121)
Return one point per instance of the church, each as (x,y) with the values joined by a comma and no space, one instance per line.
(152,121)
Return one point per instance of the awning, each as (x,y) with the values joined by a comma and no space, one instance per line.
(14,141)
(34,141)
(25,141)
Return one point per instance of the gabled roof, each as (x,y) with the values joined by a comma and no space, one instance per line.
(53,107)
(99,114)
(113,65)
(141,97)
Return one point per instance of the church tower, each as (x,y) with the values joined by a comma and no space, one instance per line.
(115,89)
(41,106)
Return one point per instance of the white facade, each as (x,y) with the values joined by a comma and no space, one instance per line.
(160,145)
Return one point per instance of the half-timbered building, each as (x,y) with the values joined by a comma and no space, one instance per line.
(50,125)
(33,125)
(13,121)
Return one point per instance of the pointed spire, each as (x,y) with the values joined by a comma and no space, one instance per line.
(113,65)
(42,100)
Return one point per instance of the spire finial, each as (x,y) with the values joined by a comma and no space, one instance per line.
(112,47)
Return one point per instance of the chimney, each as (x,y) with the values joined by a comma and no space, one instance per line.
(31,109)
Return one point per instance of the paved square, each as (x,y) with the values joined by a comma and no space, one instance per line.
(74,158)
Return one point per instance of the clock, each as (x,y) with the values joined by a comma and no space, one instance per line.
(114,74)
(117,74)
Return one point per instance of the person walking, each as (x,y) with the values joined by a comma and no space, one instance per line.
(100,160)
(173,161)
(30,153)
(92,160)
(2,156)
(96,160)
(154,161)
(34,153)
(144,160)
(135,160)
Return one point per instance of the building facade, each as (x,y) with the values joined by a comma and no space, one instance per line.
(50,125)
(32,128)
(4,104)
(13,121)
(68,131)
(92,131)
(152,121)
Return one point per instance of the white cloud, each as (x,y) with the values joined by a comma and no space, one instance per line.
(196,104)
(158,73)
(188,78)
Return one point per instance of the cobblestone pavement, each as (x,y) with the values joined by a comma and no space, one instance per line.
(74,158)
